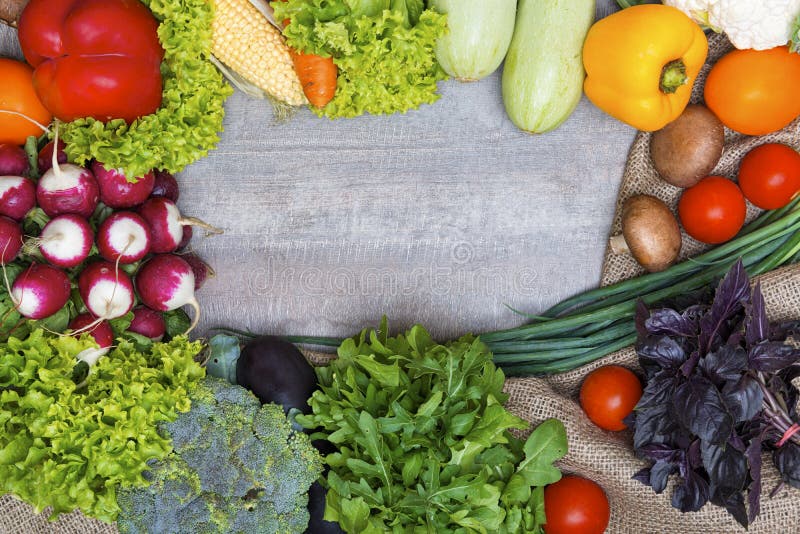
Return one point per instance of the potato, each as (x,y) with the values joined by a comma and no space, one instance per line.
(687,149)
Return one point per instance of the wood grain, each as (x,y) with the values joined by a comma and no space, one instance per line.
(442,216)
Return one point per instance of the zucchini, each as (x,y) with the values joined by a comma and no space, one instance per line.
(478,37)
(543,74)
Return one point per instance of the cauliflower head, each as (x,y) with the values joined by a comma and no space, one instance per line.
(236,467)
(758,24)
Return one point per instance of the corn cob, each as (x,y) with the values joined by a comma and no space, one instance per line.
(253,49)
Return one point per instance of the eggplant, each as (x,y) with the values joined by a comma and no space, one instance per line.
(316,511)
(276,371)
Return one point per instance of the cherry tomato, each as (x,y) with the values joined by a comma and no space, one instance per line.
(17,94)
(609,394)
(712,211)
(769,175)
(575,505)
(755,91)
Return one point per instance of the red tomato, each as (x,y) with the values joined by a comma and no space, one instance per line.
(712,211)
(609,394)
(575,505)
(93,58)
(769,175)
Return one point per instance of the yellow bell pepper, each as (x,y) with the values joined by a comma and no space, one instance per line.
(641,63)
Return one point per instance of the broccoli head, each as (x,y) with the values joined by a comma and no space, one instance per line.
(237,467)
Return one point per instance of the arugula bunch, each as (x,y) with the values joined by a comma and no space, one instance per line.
(383,49)
(719,390)
(423,439)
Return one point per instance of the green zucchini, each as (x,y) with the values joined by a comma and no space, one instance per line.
(543,73)
(478,37)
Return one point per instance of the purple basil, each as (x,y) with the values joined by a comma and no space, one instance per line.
(719,391)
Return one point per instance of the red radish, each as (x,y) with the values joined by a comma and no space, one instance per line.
(201,269)
(67,188)
(17,196)
(166,224)
(165,186)
(13,160)
(123,237)
(117,192)
(106,290)
(101,331)
(66,240)
(148,323)
(10,239)
(186,239)
(46,156)
(165,283)
(40,291)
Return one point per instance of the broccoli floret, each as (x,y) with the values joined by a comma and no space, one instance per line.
(236,467)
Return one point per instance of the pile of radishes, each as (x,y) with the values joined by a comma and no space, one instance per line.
(115,242)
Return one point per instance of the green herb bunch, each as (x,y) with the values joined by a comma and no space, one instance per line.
(423,440)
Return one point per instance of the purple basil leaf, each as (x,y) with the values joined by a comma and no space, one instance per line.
(698,407)
(743,398)
(692,494)
(658,391)
(754,490)
(689,365)
(657,452)
(693,454)
(772,356)
(787,460)
(725,363)
(780,331)
(659,475)
(726,467)
(757,325)
(643,476)
(668,321)
(734,503)
(732,294)
(653,425)
(663,351)
(642,313)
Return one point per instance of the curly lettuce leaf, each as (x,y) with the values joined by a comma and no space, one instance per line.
(384,50)
(186,125)
(794,38)
(72,448)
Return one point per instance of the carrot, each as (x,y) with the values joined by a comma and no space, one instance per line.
(317,77)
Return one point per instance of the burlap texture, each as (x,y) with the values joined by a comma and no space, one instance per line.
(605,457)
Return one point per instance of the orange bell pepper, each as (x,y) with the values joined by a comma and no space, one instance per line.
(641,63)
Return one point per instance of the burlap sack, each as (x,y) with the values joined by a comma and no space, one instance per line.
(605,457)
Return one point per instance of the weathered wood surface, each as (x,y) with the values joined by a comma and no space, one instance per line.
(440,216)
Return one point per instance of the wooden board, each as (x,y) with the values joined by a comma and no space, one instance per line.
(440,216)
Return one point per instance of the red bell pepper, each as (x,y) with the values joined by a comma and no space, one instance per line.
(93,58)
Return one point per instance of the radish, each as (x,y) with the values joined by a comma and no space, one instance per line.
(46,156)
(67,188)
(66,240)
(101,331)
(201,269)
(13,160)
(117,192)
(106,290)
(148,323)
(187,237)
(40,291)
(165,186)
(123,237)
(10,239)
(165,283)
(17,196)
(166,224)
